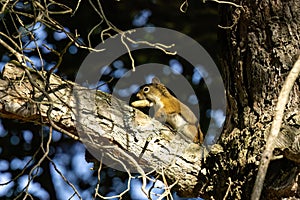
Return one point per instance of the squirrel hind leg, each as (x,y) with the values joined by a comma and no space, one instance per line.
(194,132)
(191,131)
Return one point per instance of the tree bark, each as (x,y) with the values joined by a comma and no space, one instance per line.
(107,126)
(259,51)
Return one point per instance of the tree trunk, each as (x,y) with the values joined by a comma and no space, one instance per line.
(260,48)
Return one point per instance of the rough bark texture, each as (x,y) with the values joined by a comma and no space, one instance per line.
(260,50)
(107,126)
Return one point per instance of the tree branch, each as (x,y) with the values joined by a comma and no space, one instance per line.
(109,127)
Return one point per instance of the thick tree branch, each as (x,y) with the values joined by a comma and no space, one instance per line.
(109,127)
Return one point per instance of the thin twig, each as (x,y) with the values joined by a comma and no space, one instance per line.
(134,163)
(128,182)
(64,178)
(4,6)
(20,58)
(29,162)
(228,189)
(98,179)
(227,2)
(167,191)
(32,174)
(184,6)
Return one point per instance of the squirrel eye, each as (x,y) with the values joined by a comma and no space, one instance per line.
(146,89)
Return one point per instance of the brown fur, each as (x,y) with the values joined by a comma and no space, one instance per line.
(169,109)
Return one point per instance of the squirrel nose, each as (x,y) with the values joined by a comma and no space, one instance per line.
(139,95)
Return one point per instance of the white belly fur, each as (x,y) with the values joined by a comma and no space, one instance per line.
(176,121)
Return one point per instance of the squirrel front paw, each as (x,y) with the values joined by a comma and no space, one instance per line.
(161,116)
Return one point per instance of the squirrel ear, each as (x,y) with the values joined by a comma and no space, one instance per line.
(155,80)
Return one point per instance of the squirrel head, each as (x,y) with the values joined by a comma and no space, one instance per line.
(153,91)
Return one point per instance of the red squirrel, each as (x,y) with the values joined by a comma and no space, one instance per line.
(169,109)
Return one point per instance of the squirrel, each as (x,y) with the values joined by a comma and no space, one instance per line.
(168,108)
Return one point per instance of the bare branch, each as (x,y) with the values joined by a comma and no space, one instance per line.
(184,6)
(65,179)
(227,2)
